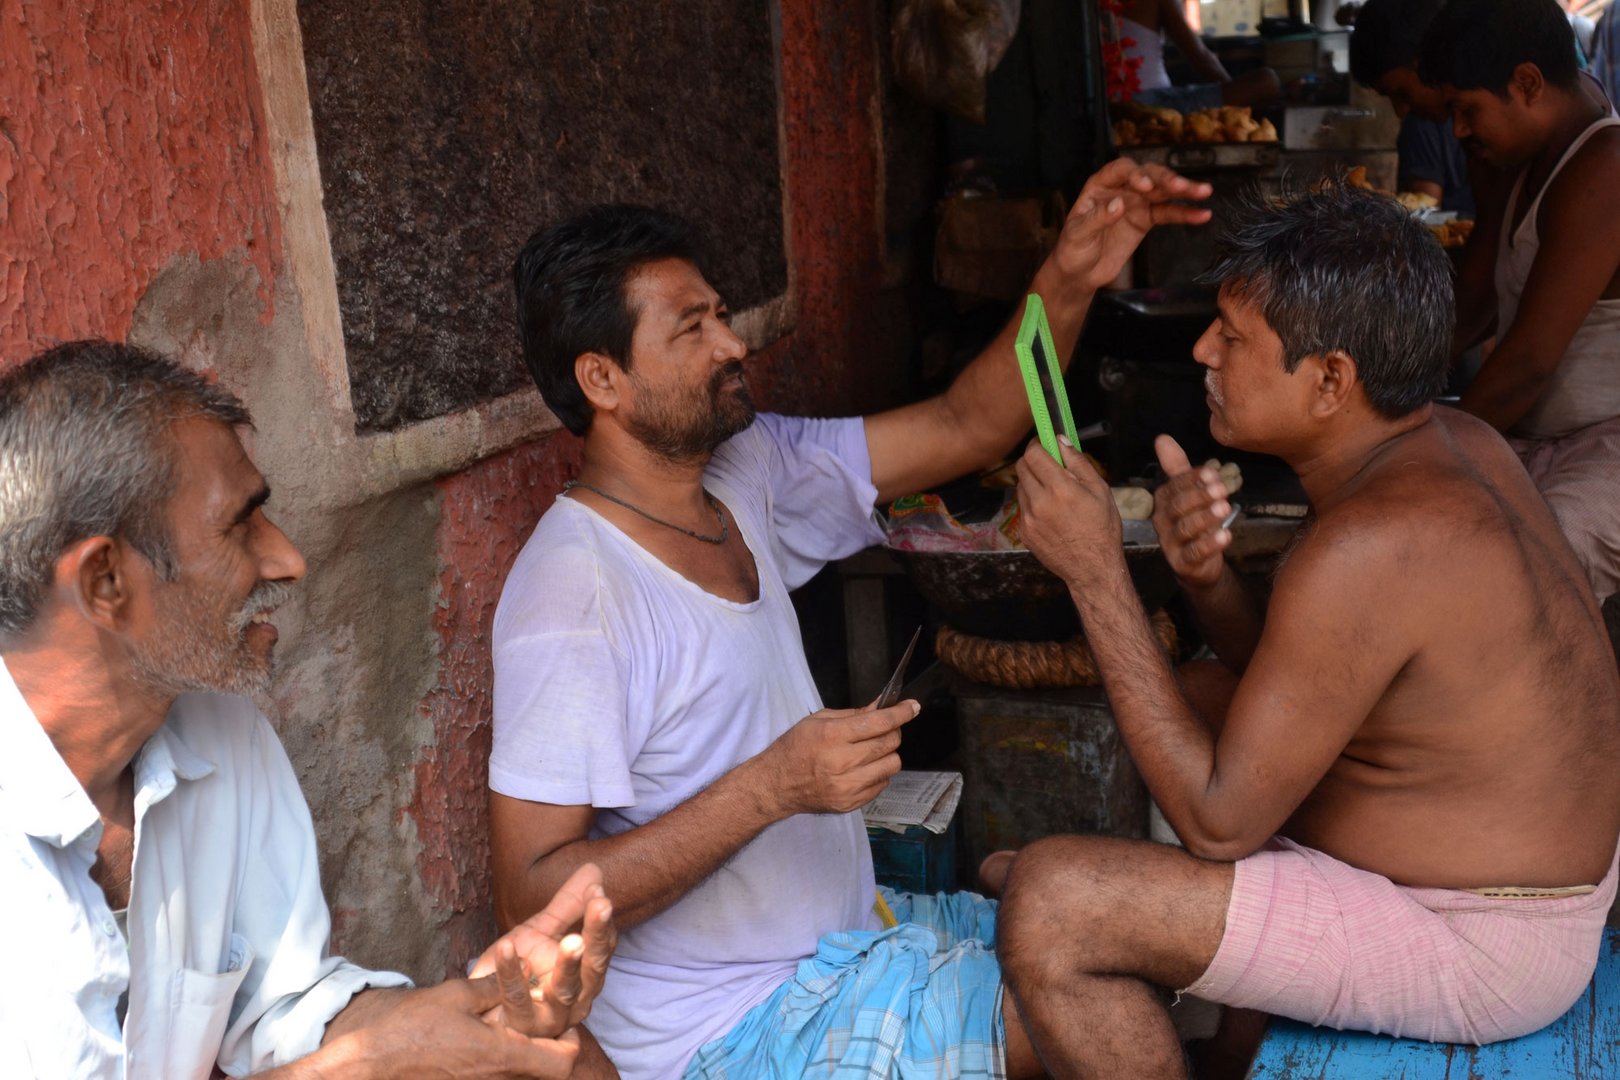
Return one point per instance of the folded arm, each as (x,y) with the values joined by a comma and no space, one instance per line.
(519,1014)
(435,1032)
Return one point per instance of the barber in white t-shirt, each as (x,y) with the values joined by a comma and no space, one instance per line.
(654,713)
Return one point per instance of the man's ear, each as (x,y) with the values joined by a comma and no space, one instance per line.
(1528,81)
(96,575)
(1336,380)
(600,378)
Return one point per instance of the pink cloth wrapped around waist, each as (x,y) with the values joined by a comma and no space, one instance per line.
(1579,476)
(1317,940)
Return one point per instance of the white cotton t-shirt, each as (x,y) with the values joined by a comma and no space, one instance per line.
(622,685)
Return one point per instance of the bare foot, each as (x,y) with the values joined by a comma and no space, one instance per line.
(993,872)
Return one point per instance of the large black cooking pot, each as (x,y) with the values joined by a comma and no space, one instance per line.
(1010,596)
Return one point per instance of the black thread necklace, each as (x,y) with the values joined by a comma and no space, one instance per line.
(714,504)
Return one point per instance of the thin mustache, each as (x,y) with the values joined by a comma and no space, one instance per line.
(266,596)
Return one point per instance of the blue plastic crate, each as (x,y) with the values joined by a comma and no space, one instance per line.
(915,861)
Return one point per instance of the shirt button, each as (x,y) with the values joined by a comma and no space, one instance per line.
(109,928)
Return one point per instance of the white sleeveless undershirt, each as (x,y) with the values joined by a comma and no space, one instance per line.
(1585,387)
(1149,45)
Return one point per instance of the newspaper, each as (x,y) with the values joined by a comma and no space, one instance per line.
(916,798)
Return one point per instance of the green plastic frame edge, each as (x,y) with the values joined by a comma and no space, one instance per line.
(1035,328)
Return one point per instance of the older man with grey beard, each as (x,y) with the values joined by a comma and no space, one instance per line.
(165,916)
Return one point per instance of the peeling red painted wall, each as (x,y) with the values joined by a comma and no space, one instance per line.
(487,513)
(131,134)
(841,357)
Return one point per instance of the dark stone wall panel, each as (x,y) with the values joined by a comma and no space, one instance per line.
(449,131)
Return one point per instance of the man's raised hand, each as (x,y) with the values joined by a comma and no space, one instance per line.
(551,966)
(835,760)
(1115,209)
(1187,512)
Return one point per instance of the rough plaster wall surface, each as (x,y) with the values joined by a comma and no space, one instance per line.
(462,125)
(131,134)
(488,513)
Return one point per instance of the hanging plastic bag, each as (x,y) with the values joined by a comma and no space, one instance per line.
(944,50)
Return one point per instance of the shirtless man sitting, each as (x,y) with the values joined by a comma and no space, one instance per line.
(1398,790)
(1552,383)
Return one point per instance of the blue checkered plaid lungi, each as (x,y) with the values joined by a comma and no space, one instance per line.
(920,1001)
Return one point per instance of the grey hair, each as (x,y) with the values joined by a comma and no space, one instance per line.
(1342,268)
(84,451)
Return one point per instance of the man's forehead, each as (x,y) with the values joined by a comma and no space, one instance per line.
(1242,308)
(667,288)
(212,459)
(1237,303)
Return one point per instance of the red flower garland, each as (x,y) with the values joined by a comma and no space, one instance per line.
(1123,80)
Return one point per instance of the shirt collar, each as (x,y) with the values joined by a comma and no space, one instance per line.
(46,799)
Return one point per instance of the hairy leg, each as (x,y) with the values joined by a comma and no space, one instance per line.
(1023,1063)
(1089,926)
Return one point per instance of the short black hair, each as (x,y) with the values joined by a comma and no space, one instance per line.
(1348,269)
(570,280)
(1388,35)
(1476,44)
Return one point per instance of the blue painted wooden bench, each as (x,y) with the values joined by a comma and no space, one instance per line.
(1583,1045)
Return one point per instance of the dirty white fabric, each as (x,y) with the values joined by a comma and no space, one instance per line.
(226,955)
(621,685)
(1585,387)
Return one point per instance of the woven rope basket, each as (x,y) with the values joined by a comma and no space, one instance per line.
(1031,665)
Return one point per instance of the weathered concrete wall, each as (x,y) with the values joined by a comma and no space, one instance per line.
(160,178)
(464,125)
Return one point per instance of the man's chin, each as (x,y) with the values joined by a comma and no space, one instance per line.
(736,417)
(1224,435)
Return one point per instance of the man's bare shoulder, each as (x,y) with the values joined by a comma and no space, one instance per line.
(1417,508)
(1581,195)
(1601,153)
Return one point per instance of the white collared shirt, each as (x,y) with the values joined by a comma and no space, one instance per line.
(226,957)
